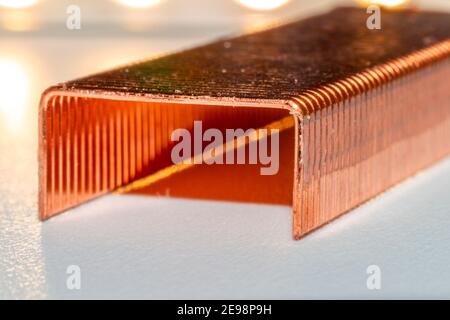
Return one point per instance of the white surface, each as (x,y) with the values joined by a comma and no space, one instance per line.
(159,248)
(144,247)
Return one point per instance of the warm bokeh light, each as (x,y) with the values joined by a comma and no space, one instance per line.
(263,4)
(255,22)
(384,3)
(14,90)
(17,3)
(19,20)
(139,3)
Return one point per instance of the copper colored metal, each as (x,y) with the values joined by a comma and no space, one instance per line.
(366,109)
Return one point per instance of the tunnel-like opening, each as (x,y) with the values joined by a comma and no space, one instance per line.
(90,146)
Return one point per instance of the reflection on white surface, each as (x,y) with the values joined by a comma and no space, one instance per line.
(14,90)
(139,3)
(263,4)
(17,3)
(22,270)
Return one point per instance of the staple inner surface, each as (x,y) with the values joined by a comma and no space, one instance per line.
(96,145)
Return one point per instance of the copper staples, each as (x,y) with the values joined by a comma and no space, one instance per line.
(358,111)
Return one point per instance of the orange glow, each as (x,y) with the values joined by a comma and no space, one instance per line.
(20,20)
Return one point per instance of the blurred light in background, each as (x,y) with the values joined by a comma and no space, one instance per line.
(139,3)
(263,4)
(19,20)
(384,3)
(14,93)
(17,3)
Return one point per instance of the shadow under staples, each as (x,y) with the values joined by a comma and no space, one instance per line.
(231,182)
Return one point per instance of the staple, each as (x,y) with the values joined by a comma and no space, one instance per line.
(358,111)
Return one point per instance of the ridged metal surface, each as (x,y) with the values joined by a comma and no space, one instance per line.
(90,146)
(371,108)
(365,133)
(278,63)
